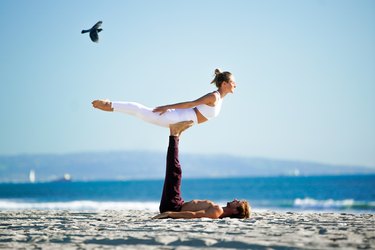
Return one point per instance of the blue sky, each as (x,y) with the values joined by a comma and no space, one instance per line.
(305,74)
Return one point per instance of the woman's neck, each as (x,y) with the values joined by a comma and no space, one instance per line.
(222,93)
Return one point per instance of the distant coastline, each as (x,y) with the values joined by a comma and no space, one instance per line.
(133,165)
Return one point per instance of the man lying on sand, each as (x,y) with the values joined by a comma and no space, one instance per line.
(173,206)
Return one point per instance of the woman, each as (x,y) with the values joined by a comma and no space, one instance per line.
(198,111)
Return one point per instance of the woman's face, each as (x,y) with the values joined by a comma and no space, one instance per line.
(231,84)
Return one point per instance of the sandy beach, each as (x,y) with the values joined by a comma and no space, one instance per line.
(134,229)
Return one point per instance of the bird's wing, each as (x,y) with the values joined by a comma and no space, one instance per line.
(94,36)
(97,25)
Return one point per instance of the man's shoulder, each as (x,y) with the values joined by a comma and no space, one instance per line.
(217,207)
(215,211)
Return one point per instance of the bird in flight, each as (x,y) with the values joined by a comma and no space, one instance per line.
(94,31)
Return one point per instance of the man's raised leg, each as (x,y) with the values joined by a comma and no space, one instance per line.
(171,199)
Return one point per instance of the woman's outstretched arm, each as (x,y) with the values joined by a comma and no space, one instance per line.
(208,99)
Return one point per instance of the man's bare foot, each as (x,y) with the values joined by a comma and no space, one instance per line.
(105,105)
(177,128)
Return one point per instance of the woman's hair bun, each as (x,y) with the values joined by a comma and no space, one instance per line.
(220,77)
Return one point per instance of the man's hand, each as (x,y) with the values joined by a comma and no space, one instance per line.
(162,215)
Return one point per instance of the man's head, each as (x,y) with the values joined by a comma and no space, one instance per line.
(240,209)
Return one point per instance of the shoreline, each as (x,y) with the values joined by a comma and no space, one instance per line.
(130,229)
(153,206)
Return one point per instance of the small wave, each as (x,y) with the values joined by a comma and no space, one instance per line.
(309,203)
(78,205)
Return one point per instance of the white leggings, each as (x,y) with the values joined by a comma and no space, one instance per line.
(170,117)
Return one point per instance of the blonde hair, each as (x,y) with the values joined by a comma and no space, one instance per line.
(244,211)
(221,77)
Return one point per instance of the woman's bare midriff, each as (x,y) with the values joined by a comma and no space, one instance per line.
(200,117)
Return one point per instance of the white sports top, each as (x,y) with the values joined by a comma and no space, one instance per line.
(211,112)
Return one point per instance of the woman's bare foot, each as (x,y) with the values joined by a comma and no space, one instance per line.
(177,128)
(104,105)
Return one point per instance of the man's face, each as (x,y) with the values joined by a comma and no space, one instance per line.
(234,204)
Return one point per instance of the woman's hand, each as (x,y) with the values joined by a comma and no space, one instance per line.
(160,109)
(162,215)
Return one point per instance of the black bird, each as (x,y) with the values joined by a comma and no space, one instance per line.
(94,31)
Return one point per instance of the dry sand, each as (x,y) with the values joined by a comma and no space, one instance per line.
(41,229)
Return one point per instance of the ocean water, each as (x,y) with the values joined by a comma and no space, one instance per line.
(319,193)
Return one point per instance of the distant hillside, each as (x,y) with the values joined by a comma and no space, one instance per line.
(151,165)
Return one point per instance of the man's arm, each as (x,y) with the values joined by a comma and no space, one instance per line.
(213,212)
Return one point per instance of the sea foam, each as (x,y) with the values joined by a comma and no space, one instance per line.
(309,203)
(79,205)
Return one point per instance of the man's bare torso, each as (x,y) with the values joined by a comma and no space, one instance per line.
(198,205)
